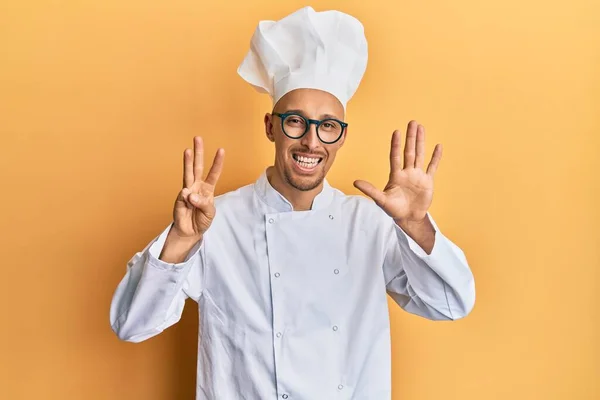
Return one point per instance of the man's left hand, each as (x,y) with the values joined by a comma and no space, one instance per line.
(409,191)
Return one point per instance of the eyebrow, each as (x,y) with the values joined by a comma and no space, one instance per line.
(322,116)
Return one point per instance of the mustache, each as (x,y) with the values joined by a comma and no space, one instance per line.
(308,152)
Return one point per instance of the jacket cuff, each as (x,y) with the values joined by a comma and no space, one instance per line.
(407,242)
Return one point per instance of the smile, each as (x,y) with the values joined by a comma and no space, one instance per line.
(306,163)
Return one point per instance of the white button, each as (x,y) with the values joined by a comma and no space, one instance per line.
(277,275)
(278,334)
(336,271)
(335,328)
(340,387)
(285,396)
(330,216)
(271,220)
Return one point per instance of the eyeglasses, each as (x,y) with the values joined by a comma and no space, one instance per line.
(295,126)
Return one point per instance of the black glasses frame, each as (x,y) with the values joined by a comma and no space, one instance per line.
(308,122)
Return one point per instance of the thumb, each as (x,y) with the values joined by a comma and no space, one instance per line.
(203,203)
(377,195)
(194,198)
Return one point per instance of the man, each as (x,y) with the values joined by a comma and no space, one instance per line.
(291,275)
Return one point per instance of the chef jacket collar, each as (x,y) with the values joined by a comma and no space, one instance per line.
(276,200)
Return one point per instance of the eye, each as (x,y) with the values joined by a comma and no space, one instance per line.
(330,125)
(294,120)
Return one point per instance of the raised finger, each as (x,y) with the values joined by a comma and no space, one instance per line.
(420,147)
(198,158)
(217,167)
(395,154)
(188,169)
(409,147)
(435,160)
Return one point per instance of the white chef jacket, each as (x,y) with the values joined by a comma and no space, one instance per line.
(293,304)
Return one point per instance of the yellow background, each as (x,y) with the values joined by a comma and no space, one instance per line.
(99,99)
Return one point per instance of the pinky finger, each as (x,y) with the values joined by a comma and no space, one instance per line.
(435,160)
(183,196)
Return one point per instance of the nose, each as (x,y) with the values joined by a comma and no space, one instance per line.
(310,139)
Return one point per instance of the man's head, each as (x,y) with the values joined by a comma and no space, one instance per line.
(325,51)
(303,163)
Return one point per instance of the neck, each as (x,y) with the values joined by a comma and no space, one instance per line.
(299,199)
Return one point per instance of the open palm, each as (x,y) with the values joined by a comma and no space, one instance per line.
(409,191)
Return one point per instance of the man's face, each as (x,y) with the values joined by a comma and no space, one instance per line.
(303,163)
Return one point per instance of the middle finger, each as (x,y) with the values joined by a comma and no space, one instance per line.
(198,158)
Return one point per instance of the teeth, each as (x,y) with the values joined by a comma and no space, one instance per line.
(307,160)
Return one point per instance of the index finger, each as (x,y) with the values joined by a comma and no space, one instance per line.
(215,171)
(395,158)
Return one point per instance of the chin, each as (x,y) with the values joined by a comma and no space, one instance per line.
(303,183)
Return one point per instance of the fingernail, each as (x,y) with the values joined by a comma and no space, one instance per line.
(195,198)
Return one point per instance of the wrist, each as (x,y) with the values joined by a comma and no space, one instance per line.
(175,237)
(408,223)
(421,231)
(176,247)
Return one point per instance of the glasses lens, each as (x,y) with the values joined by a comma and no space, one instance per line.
(329,130)
(294,126)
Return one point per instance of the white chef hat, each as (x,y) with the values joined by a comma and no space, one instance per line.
(307,49)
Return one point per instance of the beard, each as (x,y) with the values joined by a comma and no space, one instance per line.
(303,183)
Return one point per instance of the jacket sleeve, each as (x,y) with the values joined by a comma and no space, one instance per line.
(152,294)
(437,286)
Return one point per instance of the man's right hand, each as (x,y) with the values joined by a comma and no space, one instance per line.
(194,207)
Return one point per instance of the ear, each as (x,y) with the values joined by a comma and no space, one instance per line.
(343,138)
(269,127)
